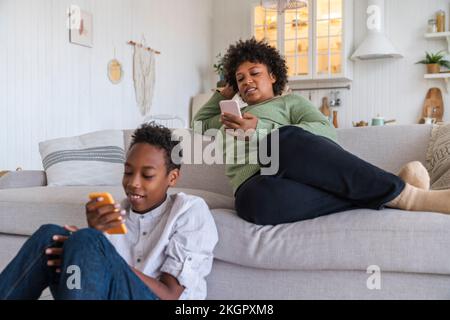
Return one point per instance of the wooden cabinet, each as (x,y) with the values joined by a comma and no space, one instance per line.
(316,40)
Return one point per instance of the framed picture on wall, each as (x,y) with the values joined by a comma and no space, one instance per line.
(83,33)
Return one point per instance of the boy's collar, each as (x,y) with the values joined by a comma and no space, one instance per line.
(155,211)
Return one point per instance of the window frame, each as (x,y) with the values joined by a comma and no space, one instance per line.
(312,47)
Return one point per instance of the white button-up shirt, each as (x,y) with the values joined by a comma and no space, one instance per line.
(177,238)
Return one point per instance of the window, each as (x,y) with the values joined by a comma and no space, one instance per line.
(296,41)
(266,26)
(310,38)
(294,32)
(329,37)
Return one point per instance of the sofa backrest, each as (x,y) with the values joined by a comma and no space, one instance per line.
(388,147)
(198,176)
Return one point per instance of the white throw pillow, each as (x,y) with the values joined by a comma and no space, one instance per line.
(93,159)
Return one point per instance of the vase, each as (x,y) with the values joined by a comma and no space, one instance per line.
(221,83)
(433,68)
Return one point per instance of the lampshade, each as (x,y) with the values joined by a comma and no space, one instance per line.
(376,44)
(282,5)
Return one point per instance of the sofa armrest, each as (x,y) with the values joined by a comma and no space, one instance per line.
(23,179)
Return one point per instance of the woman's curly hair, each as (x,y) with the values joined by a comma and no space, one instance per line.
(256,52)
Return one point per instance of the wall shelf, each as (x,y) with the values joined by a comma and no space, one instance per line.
(443,76)
(439,36)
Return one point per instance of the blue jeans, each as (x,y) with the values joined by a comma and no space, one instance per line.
(91,270)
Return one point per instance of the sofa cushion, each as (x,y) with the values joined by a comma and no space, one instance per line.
(388,147)
(394,240)
(196,175)
(22,211)
(91,159)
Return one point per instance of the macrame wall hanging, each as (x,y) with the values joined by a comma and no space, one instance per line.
(144,75)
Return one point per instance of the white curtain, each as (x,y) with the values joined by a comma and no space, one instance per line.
(144,78)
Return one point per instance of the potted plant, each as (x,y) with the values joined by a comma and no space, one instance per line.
(434,61)
(218,68)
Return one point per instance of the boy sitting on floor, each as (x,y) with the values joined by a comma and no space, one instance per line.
(166,254)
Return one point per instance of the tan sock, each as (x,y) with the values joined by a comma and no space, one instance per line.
(415,199)
(416,175)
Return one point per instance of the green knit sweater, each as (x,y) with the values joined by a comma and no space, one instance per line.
(290,109)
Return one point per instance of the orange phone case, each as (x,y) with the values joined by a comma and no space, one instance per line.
(108,199)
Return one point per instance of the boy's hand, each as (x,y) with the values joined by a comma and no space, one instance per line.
(105,217)
(54,253)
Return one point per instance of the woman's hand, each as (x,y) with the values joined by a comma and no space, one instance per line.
(103,218)
(55,253)
(247,123)
(228,92)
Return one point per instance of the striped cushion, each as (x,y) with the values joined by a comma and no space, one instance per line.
(92,159)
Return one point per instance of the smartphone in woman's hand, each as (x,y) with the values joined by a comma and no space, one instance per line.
(230,106)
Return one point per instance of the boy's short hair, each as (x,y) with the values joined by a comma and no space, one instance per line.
(160,137)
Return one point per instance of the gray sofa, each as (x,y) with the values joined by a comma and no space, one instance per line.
(326,258)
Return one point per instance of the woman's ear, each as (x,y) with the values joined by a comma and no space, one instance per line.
(273,79)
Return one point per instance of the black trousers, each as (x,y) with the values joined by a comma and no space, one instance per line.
(316,177)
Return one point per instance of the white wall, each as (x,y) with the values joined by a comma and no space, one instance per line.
(50,88)
(394,89)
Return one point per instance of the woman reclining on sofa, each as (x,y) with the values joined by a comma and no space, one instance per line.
(316,176)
